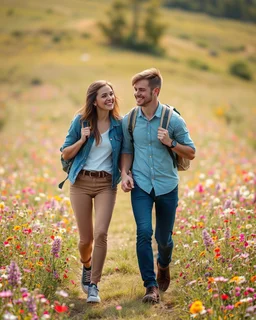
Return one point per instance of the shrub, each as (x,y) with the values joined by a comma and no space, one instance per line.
(10,12)
(184,36)
(3,115)
(16,33)
(213,53)
(56,38)
(85,35)
(36,82)
(240,69)
(197,64)
(202,44)
(235,48)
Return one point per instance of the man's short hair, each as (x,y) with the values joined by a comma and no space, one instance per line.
(153,76)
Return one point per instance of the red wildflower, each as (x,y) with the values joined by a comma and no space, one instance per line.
(224,297)
(61,308)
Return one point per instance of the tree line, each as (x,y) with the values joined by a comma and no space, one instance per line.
(235,9)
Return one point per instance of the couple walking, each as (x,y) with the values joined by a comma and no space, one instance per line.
(104,154)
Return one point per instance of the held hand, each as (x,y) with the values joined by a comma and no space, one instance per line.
(163,136)
(127,183)
(85,133)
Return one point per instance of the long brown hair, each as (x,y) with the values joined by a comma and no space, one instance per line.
(89,112)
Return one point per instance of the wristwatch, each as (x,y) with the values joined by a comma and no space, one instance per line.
(174,144)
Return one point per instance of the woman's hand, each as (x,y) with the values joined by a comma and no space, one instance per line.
(127,183)
(85,133)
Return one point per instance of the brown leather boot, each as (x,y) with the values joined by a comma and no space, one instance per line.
(163,277)
(151,295)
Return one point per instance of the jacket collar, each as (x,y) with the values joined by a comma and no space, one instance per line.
(114,122)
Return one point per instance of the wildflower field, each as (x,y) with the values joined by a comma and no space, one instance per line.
(43,82)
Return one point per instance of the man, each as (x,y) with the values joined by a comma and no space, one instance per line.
(153,178)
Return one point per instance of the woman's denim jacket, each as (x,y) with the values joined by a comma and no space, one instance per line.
(115,137)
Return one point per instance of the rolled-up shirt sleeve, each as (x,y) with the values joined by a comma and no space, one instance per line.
(74,133)
(127,144)
(181,133)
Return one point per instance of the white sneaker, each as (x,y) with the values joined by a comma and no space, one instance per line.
(93,294)
(85,279)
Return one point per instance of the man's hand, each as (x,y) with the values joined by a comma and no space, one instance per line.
(163,136)
(127,183)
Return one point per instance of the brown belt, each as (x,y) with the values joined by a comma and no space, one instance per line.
(96,174)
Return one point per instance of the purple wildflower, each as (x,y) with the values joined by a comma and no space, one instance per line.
(208,242)
(31,305)
(227,234)
(14,275)
(217,187)
(56,246)
(237,194)
(62,209)
(227,204)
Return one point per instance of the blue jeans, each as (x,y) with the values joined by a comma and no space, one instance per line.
(142,205)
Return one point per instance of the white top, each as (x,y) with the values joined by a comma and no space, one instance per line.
(100,156)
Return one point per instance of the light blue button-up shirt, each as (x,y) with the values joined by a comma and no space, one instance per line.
(153,165)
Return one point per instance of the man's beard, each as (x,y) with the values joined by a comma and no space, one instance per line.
(145,102)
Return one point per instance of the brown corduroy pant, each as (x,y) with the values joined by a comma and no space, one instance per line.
(82,193)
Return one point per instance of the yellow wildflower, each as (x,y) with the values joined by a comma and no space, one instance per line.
(238,279)
(202,254)
(196,307)
(237,304)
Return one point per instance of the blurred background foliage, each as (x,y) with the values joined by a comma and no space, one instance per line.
(51,51)
(244,10)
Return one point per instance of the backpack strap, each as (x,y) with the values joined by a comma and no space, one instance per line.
(131,121)
(62,183)
(164,123)
(84,124)
(166,116)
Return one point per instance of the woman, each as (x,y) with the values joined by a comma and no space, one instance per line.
(94,141)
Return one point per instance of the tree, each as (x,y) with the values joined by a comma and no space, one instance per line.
(141,36)
(153,29)
(135,19)
(115,30)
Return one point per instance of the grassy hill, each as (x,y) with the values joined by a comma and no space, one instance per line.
(50,52)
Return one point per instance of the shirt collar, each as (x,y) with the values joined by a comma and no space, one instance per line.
(157,114)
